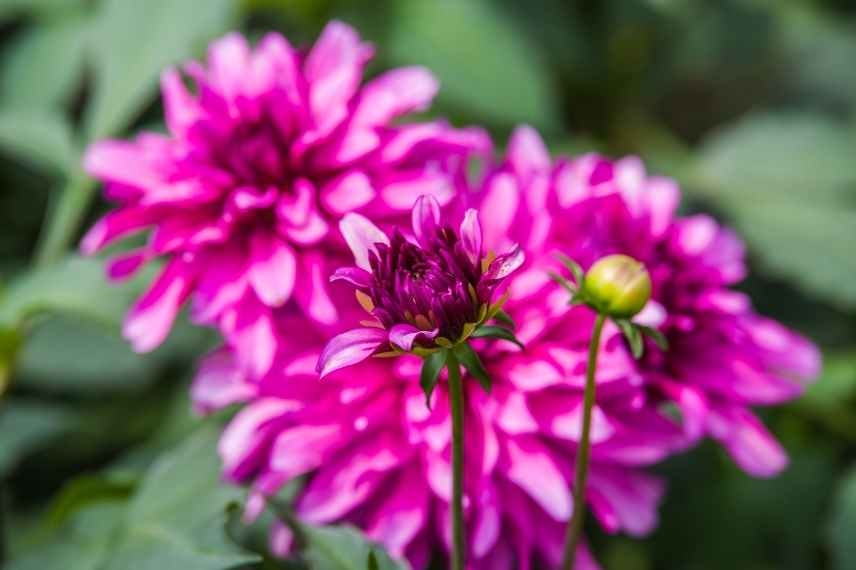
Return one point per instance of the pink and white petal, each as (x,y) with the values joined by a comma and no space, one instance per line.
(349,348)
(281,539)
(402,514)
(425,219)
(527,153)
(219,382)
(505,264)
(501,198)
(405,335)
(400,190)
(122,162)
(245,440)
(748,442)
(348,192)
(250,329)
(115,225)
(272,268)
(633,496)
(150,320)
(395,93)
(302,448)
(357,277)
(531,467)
(313,289)
(126,265)
(180,107)
(362,237)
(228,62)
(471,235)
(221,285)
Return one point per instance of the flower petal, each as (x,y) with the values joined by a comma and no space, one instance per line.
(471,235)
(354,275)
(149,322)
(404,335)
(349,348)
(505,264)
(313,292)
(272,269)
(396,92)
(348,192)
(361,236)
(425,219)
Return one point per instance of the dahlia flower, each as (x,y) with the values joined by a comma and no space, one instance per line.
(723,357)
(424,296)
(243,193)
(375,456)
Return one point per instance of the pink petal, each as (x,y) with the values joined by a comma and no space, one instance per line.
(244,442)
(228,62)
(425,219)
(219,383)
(254,337)
(527,152)
(361,236)
(395,93)
(404,335)
(753,448)
(302,448)
(501,198)
(150,320)
(115,225)
(272,268)
(349,348)
(347,192)
(532,468)
(505,264)
(313,292)
(180,108)
(402,514)
(121,162)
(354,275)
(126,265)
(401,190)
(471,235)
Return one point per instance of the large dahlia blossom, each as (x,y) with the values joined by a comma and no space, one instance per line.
(723,357)
(261,160)
(374,455)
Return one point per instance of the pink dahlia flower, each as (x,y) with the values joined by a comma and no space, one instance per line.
(723,357)
(377,457)
(243,193)
(422,296)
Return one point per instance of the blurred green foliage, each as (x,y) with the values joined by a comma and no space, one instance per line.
(749,103)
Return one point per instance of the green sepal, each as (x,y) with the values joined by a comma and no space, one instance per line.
(372,563)
(473,364)
(504,318)
(571,288)
(493,331)
(633,336)
(573,267)
(655,335)
(431,367)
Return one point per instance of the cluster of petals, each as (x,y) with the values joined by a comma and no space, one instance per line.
(242,196)
(723,358)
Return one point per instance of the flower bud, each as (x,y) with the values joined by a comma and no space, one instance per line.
(618,286)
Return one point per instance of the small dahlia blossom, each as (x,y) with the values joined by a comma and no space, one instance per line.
(375,456)
(424,295)
(242,195)
(723,358)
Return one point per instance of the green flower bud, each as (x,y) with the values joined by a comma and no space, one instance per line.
(618,286)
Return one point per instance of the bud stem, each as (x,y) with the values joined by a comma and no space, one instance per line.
(456,397)
(576,525)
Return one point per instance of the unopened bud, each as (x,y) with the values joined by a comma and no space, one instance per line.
(618,286)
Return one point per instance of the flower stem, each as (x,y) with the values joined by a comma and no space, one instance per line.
(576,525)
(456,397)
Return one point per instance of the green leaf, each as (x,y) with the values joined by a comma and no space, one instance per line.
(26,426)
(788,182)
(506,84)
(843,526)
(573,267)
(504,318)
(492,331)
(177,518)
(343,548)
(132,44)
(655,335)
(633,336)
(473,364)
(44,64)
(77,285)
(39,137)
(431,367)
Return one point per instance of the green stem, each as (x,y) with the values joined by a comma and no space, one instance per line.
(576,525)
(64,218)
(456,398)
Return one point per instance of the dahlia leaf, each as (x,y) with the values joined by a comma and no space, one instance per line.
(573,267)
(344,548)
(504,318)
(655,335)
(633,336)
(493,331)
(473,364)
(431,367)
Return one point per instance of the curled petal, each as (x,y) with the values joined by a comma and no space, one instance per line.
(357,277)
(425,217)
(404,335)
(349,348)
(361,236)
(272,268)
(505,264)
(471,235)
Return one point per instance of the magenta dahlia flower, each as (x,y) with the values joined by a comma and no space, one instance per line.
(424,295)
(243,193)
(377,457)
(723,358)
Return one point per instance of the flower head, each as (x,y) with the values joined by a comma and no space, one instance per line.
(267,154)
(723,358)
(424,295)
